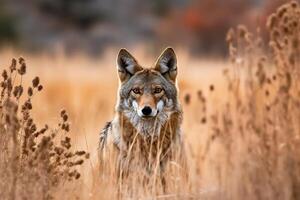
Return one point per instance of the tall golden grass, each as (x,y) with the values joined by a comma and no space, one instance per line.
(241,122)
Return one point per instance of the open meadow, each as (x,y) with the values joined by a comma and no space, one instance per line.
(241,121)
(87,90)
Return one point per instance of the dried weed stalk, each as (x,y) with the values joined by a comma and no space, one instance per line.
(32,163)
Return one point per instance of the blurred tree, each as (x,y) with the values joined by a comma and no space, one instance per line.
(209,20)
(160,7)
(81,13)
(203,24)
(93,25)
(8,31)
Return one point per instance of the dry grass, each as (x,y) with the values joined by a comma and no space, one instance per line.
(241,122)
(34,162)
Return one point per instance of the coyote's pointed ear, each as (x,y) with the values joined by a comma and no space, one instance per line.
(167,64)
(127,65)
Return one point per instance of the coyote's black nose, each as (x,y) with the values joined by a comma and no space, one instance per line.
(146,110)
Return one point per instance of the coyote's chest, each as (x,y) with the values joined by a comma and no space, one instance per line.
(155,147)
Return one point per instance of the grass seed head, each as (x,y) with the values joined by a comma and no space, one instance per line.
(187,99)
(36,82)
(40,87)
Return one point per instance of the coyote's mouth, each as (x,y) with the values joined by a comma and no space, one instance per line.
(147,125)
(147,112)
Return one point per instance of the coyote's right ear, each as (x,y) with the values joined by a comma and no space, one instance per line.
(127,65)
(167,64)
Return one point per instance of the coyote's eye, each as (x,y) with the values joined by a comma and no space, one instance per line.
(136,90)
(157,90)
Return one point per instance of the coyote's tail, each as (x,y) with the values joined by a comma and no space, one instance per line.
(103,135)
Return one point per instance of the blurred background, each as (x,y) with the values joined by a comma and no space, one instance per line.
(92,26)
(72,46)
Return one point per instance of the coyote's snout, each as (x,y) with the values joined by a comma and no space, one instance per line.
(146,125)
(148,100)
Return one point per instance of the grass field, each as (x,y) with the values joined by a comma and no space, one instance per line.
(87,89)
(241,120)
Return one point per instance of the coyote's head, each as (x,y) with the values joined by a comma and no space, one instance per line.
(147,96)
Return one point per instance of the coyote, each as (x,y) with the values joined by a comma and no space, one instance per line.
(148,115)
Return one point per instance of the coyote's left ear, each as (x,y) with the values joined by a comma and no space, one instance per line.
(167,64)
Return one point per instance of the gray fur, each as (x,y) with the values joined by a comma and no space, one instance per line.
(146,78)
(163,127)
